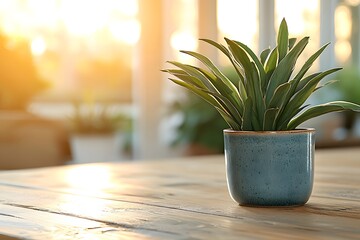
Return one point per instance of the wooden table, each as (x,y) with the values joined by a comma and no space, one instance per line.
(172,199)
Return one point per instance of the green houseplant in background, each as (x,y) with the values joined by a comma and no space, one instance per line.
(200,128)
(268,160)
(95,119)
(348,86)
(98,133)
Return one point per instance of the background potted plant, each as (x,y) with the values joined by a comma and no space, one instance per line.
(268,160)
(348,87)
(200,128)
(98,133)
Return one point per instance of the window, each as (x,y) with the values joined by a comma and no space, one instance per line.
(237,19)
(83,48)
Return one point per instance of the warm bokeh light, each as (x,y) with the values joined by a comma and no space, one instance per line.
(126,31)
(38,46)
(343,50)
(343,28)
(82,45)
(183,41)
(126,7)
(299,20)
(235,21)
(343,22)
(183,25)
(238,20)
(80,17)
(81,20)
(304,21)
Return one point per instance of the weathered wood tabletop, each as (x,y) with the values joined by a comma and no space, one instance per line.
(172,199)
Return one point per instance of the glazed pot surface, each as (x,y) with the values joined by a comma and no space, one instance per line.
(270,168)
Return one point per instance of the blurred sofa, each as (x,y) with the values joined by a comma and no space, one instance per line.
(29,141)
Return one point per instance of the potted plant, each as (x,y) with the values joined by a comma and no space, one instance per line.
(94,133)
(348,87)
(269,160)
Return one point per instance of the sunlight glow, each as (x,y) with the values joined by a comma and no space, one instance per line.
(86,181)
(83,206)
(183,40)
(126,31)
(237,20)
(126,7)
(303,19)
(89,179)
(183,28)
(298,19)
(343,22)
(343,28)
(343,50)
(42,12)
(80,18)
(38,46)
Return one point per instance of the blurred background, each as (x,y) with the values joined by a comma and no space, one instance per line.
(80,80)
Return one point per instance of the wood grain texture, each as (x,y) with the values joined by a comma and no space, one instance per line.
(173,199)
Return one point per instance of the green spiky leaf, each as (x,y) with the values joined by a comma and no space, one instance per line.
(266,94)
(270,116)
(323,109)
(285,68)
(282,40)
(292,42)
(264,55)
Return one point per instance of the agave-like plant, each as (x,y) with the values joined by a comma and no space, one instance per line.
(267,95)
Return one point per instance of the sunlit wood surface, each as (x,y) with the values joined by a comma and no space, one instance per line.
(172,199)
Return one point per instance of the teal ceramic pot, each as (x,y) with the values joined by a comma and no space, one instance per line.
(270,168)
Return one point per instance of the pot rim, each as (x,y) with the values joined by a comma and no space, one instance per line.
(295,131)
